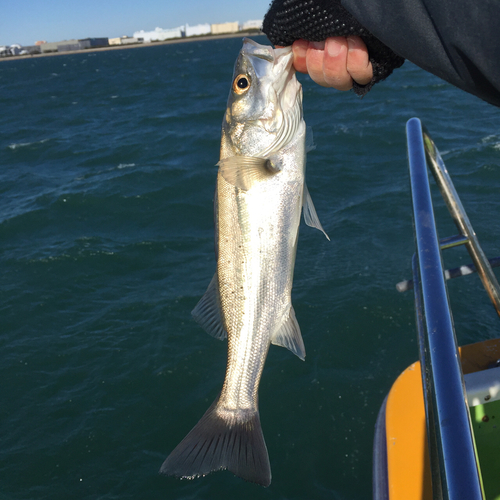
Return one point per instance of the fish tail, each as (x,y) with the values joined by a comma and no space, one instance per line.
(222,439)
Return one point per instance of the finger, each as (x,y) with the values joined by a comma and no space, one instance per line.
(314,62)
(335,64)
(358,63)
(299,48)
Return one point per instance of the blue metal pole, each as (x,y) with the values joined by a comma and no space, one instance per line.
(445,399)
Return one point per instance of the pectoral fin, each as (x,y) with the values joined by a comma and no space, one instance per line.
(207,312)
(310,215)
(289,336)
(244,171)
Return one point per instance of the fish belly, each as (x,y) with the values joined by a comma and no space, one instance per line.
(257,235)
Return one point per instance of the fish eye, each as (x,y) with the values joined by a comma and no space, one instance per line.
(241,84)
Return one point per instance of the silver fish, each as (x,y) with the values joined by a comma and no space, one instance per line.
(259,198)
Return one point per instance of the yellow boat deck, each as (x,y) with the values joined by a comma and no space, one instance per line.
(408,465)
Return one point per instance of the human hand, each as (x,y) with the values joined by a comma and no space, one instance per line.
(336,62)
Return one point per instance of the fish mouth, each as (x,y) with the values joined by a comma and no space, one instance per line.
(252,48)
(260,55)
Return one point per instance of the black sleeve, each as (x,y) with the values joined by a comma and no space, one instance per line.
(457,40)
(316,20)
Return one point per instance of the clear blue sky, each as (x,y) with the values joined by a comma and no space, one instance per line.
(55,20)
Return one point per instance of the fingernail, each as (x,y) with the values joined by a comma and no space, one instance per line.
(352,43)
(333,48)
(299,48)
(318,45)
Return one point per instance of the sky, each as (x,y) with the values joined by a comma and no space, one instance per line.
(55,20)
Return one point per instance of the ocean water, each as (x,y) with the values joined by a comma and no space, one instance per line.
(107,176)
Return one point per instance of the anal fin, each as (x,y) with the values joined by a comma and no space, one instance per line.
(289,336)
(310,216)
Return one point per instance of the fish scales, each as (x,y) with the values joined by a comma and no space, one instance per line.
(260,194)
(255,273)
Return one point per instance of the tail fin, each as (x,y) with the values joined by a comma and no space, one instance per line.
(222,440)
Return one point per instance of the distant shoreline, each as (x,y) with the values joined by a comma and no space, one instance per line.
(138,45)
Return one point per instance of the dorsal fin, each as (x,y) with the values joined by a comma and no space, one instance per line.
(207,312)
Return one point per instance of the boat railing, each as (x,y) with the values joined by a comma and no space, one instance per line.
(455,471)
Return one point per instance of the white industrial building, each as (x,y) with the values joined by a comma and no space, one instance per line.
(198,30)
(159,34)
(129,40)
(220,29)
(123,40)
(252,25)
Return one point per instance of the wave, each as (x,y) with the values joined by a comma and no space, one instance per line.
(20,145)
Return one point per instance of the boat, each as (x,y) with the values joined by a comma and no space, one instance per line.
(437,434)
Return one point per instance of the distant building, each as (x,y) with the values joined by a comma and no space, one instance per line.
(54,46)
(220,29)
(123,40)
(94,43)
(30,50)
(129,40)
(40,42)
(159,34)
(199,29)
(11,50)
(71,45)
(252,25)
(18,50)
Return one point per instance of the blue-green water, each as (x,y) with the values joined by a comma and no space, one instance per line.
(107,176)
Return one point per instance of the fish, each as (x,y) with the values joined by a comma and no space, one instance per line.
(260,194)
